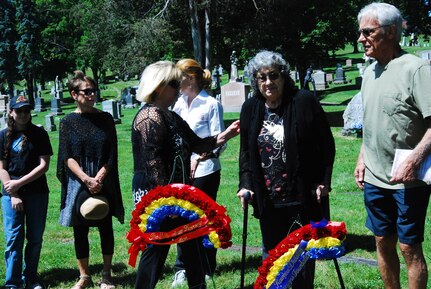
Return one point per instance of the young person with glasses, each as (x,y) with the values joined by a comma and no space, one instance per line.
(286,155)
(25,152)
(396,96)
(204,115)
(162,143)
(87,166)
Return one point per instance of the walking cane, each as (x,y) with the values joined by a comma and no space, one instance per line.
(244,237)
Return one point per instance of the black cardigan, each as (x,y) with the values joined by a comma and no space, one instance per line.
(310,148)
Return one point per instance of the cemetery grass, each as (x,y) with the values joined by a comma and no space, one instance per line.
(58,265)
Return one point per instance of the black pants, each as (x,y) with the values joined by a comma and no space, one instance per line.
(153,260)
(208,184)
(106,232)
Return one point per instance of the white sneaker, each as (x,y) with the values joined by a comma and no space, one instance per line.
(179,278)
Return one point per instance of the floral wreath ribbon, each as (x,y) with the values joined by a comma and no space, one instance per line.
(206,218)
(320,240)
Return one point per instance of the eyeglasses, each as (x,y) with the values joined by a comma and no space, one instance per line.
(272,76)
(22,110)
(368,31)
(175,84)
(88,91)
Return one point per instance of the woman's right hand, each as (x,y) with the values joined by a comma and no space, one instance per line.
(93,185)
(17,203)
(245,196)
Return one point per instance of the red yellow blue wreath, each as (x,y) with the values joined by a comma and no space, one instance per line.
(322,240)
(206,218)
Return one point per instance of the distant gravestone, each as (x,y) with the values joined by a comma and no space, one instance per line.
(39,104)
(4,103)
(320,80)
(329,77)
(3,121)
(353,116)
(49,123)
(233,67)
(56,107)
(426,54)
(111,107)
(233,95)
(294,75)
(340,77)
(349,63)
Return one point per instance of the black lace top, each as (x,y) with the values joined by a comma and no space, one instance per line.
(162,144)
(91,140)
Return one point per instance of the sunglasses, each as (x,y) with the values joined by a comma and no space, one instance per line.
(175,84)
(272,76)
(368,31)
(22,110)
(88,91)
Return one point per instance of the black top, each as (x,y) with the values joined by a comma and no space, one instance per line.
(160,141)
(309,142)
(23,157)
(91,140)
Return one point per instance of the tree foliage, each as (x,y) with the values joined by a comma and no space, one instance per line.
(8,37)
(123,36)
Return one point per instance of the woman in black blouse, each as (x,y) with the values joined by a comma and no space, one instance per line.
(286,155)
(88,166)
(162,143)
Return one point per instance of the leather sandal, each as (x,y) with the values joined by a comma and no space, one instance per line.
(106,282)
(83,282)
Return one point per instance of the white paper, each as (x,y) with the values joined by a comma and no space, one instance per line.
(424,172)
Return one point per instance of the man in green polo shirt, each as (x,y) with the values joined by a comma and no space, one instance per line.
(396,94)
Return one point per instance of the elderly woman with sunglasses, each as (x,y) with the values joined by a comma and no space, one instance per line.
(87,166)
(286,155)
(162,144)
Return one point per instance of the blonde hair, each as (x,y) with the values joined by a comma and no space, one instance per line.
(192,68)
(155,75)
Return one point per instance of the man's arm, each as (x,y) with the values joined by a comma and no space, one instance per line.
(407,170)
(360,169)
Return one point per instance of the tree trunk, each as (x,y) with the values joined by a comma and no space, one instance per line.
(196,33)
(208,55)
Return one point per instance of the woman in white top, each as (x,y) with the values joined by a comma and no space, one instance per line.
(204,115)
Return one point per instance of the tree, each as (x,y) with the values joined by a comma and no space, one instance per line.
(8,37)
(28,43)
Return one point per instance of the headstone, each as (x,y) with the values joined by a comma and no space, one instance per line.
(111,107)
(220,70)
(233,67)
(39,104)
(58,89)
(320,80)
(215,82)
(340,76)
(233,95)
(348,62)
(329,77)
(56,107)
(353,116)
(294,75)
(3,121)
(426,54)
(49,123)
(4,103)
(128,97)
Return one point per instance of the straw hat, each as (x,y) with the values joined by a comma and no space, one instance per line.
(92,207)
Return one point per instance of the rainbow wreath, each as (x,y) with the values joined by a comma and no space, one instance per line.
(320,240)
(206,218)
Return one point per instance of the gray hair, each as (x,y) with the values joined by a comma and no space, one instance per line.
(155,75)
(264,59)
(385,14)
